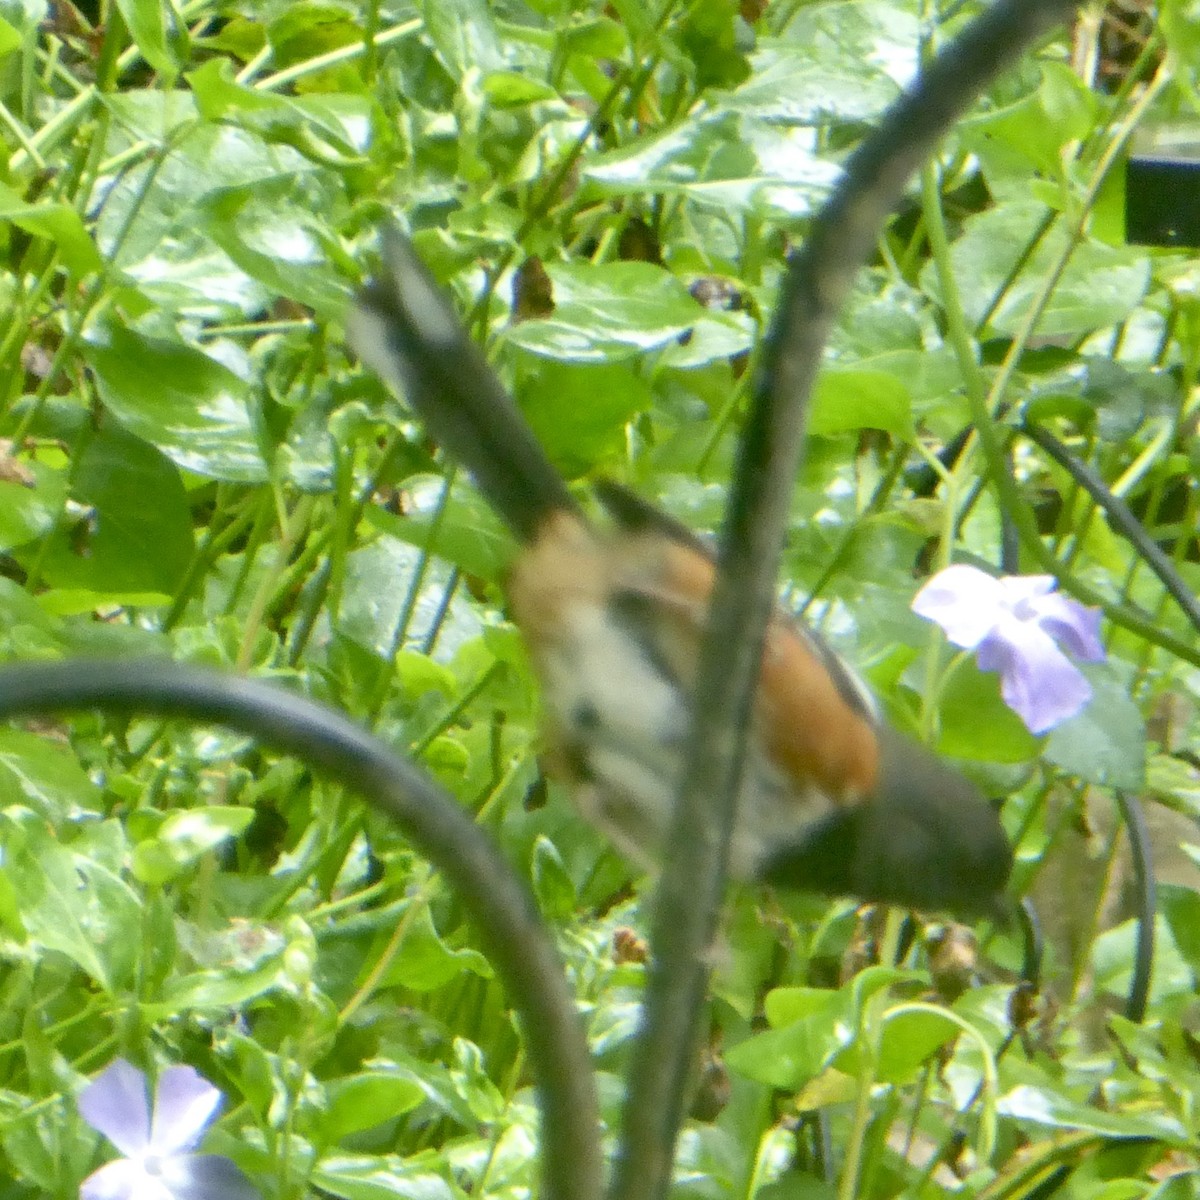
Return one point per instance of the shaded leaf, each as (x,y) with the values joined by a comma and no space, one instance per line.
(180,400)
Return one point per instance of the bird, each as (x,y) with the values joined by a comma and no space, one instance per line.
(834,800)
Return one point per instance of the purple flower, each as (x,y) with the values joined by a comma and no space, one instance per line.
(158,1163)
(1016,624)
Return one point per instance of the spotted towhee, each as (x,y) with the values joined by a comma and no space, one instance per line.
(833,799)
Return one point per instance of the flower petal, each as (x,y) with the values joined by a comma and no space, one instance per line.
(115,1104)
(206,1177)
(1038,682)
(184,1104)
(1074,626)
(1024,589)
(965,601)
(123,1179)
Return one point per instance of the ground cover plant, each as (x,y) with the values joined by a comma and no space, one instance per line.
(195,468)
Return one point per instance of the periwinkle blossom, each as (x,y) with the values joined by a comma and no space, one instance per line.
(1016,625)
(158,1163)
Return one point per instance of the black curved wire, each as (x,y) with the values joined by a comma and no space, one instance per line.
(1033,944)
(1147,903)
(501,907)
(1120,517)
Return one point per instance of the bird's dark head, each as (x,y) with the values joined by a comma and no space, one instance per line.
(925,838)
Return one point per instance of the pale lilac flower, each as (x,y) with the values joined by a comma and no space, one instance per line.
(158,1163)
(1016,624)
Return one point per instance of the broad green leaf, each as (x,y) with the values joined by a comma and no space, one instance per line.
(1106,742)
(846,400)
(1038,129)
(1044,1107)
(715,337)
(307,29)
(1113,955)
(790,1054)
(277,242)
(822,74)
(424,961)
(378,579)
(10,38)
(177,398)
(907,1042)
(786,1005)
(976,723)
(722,162)
(579,411)
(218,990)
(27,512)
(788,1058)
(45,775)
(1181,910)
(124,545)
(72,905)
(1183,1186)
(322,127)
(362,1101)
(608,312)
(469,534)
(508,89)
(710,36)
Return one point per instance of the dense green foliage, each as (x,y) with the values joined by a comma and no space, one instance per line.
(193,467)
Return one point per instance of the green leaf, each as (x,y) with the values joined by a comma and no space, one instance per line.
(551,881)
(28,512)
(10,38)
(183,837)
(1038,129)
(1106,742)
(722,162)
(46,775)
(1044,1107)
(847,400)
(219,990)
(839,61)
(579,411)
(469,535)
(974,722)
(608,312)
(94,923)
(59,224)
(278,243)
(908,1040)
(125,545)
(789,1056)
(424,962)
(378,578)
(325,128)
(1181,910)
(1100,286)
(463,35)
(375,1177)
(367,1099)
(159,32)
(1183,1186)
(1113,956)
(180,400)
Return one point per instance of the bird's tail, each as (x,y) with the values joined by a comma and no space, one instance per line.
(404,328)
